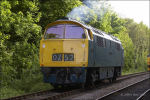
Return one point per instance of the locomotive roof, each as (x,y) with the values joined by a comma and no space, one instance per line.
(95,31)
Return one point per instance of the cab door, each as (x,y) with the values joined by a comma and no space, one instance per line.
(91,55)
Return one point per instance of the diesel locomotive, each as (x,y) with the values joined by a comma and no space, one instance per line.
(74,53)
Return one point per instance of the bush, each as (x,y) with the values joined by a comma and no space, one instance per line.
(6,92)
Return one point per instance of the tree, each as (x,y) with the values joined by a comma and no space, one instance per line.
(22,34)
(139,33)
(55,9)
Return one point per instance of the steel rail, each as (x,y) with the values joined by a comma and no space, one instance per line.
(130,75)
(142,95)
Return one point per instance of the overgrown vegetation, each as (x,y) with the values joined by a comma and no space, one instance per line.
(22,23)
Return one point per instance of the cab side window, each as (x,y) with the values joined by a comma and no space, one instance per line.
(89,34)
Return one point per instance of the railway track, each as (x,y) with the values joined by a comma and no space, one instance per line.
(130,92)
(55,95)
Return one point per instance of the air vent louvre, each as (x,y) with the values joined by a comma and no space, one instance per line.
(100,42)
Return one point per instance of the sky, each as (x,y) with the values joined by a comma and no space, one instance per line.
(138,10)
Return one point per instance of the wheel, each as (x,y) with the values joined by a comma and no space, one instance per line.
(113,79)
(82,85)
(56,86)
(90,80)
(110,80)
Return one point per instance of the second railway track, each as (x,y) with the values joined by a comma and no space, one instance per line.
(54,95)
(130,92)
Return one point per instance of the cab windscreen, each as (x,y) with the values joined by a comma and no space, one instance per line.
(65,31)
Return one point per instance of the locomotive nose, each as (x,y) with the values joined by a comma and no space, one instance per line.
(66,52)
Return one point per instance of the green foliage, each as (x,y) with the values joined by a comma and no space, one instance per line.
(19,39)
(29,82)
(105,22)
(139,33)
(118,24)
(4,24)
(7,92)
(40,86)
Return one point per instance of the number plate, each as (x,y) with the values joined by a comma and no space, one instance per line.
(57,57)
(68,57)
